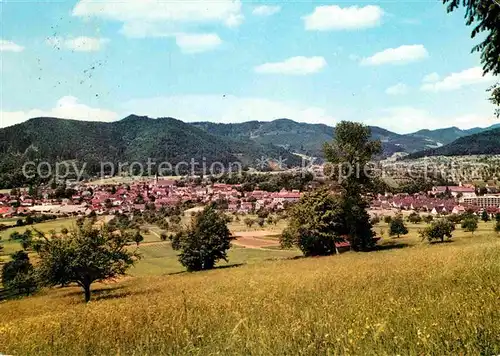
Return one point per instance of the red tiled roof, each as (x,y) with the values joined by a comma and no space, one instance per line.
(342,244)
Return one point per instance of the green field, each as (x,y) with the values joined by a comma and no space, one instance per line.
(161,259)
(240,225)
(154,232)
(45,226)
(485,230)
(8,221)
(410,298)
(12,246)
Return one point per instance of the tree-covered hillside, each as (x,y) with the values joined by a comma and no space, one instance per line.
(133,139)
(487,142)
(309,138)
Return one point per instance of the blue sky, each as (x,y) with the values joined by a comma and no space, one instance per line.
(399,65)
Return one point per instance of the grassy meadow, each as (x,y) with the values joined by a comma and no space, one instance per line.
(409,298)
(160,259)
(10,246)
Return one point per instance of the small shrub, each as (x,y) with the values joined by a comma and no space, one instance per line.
(438,230)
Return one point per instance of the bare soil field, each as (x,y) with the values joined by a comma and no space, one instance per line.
(255,239)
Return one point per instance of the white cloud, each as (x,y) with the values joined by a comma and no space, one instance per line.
(67,107)
(407,119)
(401,55)
(293,66)
(196,43)
(266,10)
(226,109)
(9,46)
(333,17)
(234,20)
(78,44)
(431,78)
(398,89)
(168,19)
(455,81)
(148,29)
(227,12)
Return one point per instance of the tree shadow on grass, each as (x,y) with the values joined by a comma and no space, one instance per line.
(232,265)
(392,245)
(123,294)
(440,242)
(97,291)
(111,293)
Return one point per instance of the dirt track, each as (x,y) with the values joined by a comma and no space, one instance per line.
(253,239)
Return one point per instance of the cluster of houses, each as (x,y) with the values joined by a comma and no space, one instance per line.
(440,200)
(139,196)
(159,193)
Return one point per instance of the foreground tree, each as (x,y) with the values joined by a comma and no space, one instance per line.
(315,223)
(19,274)
(349,156)
(84,256)
(397,227)
(438,230)
(484,16)
(205,241)
(469,225)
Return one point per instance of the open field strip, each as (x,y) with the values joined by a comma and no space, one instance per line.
(428,299)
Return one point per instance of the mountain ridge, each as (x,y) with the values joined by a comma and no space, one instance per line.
(308,139)
(135,138)
(481,143)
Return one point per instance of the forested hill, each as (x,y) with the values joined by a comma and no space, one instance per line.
(131,139)
(136,138)
(309,138)
(486,142)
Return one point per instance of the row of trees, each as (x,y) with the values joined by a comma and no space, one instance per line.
(35,219)
(468,222)
(437,230)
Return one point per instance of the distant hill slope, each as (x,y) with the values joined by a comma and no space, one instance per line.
(297,137)
(486,142)
(131,139)
(309,138)
(447,135)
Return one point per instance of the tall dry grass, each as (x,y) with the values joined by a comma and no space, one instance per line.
(441,299)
